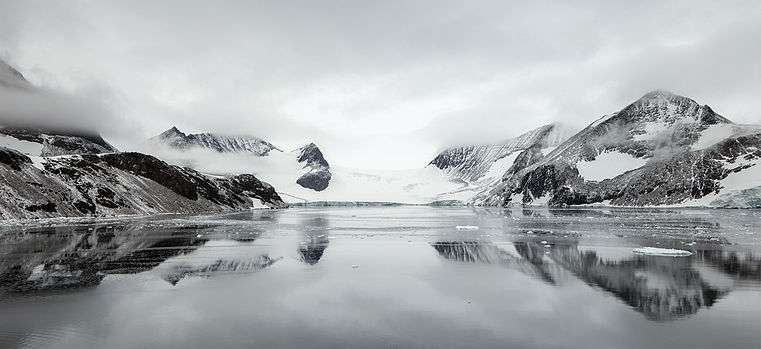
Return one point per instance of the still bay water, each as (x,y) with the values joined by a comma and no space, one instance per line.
(378,277)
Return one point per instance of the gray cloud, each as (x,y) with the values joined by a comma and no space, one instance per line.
(383,83)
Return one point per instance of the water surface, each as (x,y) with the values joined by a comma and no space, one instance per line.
(386,277)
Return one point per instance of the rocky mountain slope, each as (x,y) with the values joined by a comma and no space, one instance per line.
(53,172)
(477,167)
(471,162)
(663,149)
(118,183)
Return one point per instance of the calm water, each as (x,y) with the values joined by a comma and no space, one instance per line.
(386,277)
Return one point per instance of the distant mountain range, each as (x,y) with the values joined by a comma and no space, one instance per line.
(306,166)
(661,150)
(220,143)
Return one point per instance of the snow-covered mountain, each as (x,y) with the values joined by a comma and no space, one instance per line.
(118,183)
(663,149)
(220,143)
(224,154)
(477,167)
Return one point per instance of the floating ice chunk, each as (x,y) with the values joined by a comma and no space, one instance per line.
(355,266)
(655,251)
(466,227)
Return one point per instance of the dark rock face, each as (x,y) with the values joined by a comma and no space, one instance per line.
(312,156)
(455,157)
(317,180)
(249,185)
(318,177)
(152,168)
(121,183)
(191,184)
(13,159)
(48,207)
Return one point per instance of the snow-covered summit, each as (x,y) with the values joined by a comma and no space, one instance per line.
(177,139)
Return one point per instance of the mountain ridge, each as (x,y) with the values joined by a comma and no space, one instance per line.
(656,136)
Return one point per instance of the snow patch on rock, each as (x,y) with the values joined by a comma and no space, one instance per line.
(24,147)
(609,165)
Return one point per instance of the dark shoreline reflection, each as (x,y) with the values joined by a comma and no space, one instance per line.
(314,240)
(75,257)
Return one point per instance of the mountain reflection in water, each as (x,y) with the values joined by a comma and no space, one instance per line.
(380,277)
(661,288)
(72,257)
(315,240)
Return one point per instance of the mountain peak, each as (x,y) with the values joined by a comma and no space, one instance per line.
(173,132)
(175,138)
(665,97)
(668,107)
(312,155)
(10,77)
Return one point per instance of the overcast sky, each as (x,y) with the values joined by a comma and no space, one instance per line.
(381,84)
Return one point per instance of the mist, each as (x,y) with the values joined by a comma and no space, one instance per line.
(377,84)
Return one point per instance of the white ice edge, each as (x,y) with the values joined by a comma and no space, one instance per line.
(466,227)
(668,252)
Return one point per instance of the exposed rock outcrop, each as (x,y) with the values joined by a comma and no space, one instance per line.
(119,183)
(318,173)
